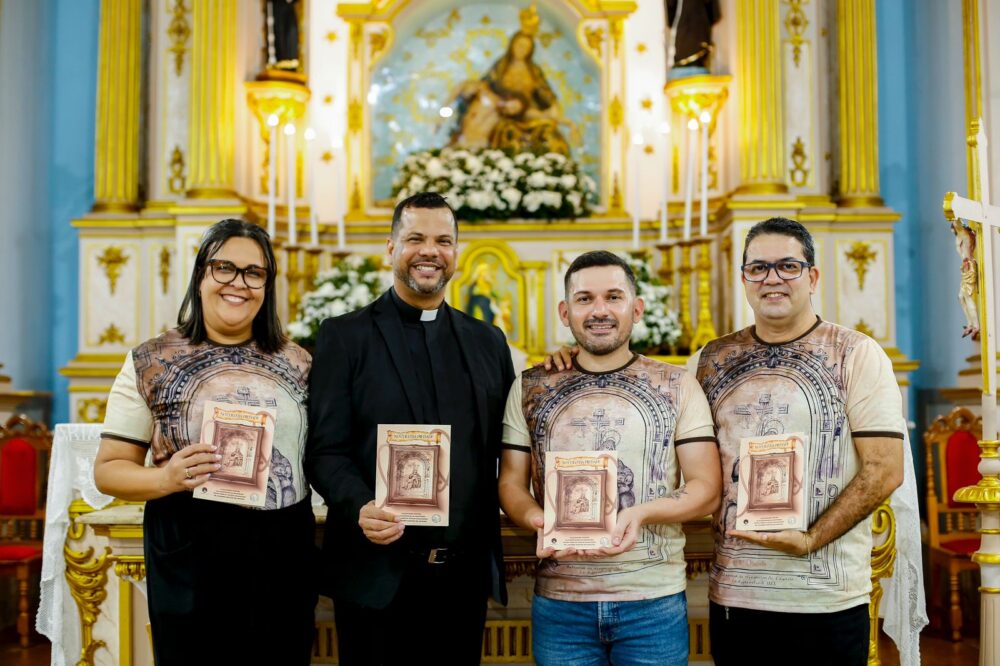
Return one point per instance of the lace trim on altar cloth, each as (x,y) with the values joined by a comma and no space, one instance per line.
(904,608)
(71,471)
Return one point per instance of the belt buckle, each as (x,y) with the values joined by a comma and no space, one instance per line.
(432,557)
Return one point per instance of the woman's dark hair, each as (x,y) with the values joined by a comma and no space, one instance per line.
(267,331)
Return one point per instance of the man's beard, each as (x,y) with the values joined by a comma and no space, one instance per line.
(605,345)
(404,275)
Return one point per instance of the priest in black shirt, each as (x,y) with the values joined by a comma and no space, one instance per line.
(410,358)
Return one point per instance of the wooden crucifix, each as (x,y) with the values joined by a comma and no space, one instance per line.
(984,220)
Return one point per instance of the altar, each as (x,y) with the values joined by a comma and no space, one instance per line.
(609,147)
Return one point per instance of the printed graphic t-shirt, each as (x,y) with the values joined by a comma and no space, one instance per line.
(157,400)
(643,411)
(833,384)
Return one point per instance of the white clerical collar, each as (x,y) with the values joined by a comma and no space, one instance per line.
(429,315)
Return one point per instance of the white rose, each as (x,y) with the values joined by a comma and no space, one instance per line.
(639,331)
(435,169)
(417,183)
(479,200)
(568,181)
(474,164)
(575,199)
(505,163)
(512,196)
(532,201)
(537,180)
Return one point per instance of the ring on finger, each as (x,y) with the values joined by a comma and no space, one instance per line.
(187,473)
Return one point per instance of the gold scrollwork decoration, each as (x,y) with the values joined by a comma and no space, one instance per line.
(377,42)
(796,24)
(179,30)
(87,577)
(595,38)
(616,27)
(165,269)
(176,182)
(863,327)
(713,168)
(616,113)
(91,410)
(860,255)
(799,173)
(883,561)
(431,37)
(356,38)
(111,335)
(130,566)
(354,116)
(356,195)
(112,260)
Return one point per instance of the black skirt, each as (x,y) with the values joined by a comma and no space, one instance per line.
(227,584)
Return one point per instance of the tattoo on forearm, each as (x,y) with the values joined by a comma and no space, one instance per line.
(677,494)
(861,496)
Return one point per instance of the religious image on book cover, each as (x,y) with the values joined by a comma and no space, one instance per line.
(771,490)
(243,436)
(413,477)
(581,499)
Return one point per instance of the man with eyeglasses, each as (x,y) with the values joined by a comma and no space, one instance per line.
(793,373)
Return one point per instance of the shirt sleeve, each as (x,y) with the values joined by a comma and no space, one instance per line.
(515,427)
(694,418)
(874,404)
(127,417)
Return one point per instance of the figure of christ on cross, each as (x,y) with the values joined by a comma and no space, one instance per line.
(985,221)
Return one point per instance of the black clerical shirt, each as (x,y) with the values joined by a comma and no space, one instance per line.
(446,398)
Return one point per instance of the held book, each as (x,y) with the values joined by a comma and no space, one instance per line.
(581,499)
(243,436)
(771,490)
(413,472)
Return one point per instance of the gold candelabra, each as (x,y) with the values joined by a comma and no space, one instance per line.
(705,329)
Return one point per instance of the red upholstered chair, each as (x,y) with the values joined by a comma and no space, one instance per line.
(24,465)
(952,463)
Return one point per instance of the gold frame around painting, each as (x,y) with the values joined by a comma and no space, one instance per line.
(599,31)
(528,299)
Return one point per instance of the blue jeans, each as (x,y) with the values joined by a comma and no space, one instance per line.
(589,633)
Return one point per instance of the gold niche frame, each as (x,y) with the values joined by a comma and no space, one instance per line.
(529,278)
(371,30)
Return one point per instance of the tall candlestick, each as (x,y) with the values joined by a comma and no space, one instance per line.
(706,119)
(310,134)
(689,177)
(290,163)
(340,194)
(665,131)
(272,174)
(637,141)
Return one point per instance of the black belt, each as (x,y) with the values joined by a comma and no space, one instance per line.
(440,555)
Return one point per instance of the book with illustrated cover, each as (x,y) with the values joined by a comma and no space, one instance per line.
(413,477)
(771,490)
(243,436)
(581,499)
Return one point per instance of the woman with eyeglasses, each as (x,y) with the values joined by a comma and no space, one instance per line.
(225,583)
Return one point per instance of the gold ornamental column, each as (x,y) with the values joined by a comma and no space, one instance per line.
(213,99)
(116,145)
(758,48)
(857,60)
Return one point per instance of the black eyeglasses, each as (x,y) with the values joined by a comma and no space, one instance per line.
(225,272)
(786,269)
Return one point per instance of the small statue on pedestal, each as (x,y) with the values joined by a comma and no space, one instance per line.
(282,28)
(689,36)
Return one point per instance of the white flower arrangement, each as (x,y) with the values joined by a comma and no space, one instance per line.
(348,285)
(660,327)
(488,184)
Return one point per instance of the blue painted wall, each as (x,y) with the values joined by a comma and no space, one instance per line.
(922,155)
(71,170)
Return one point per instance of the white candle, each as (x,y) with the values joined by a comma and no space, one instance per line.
(706,119)
(340,195)
(637,141)
(290,163)
(310,134)
(665,131)
(272,175)
(689,177)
